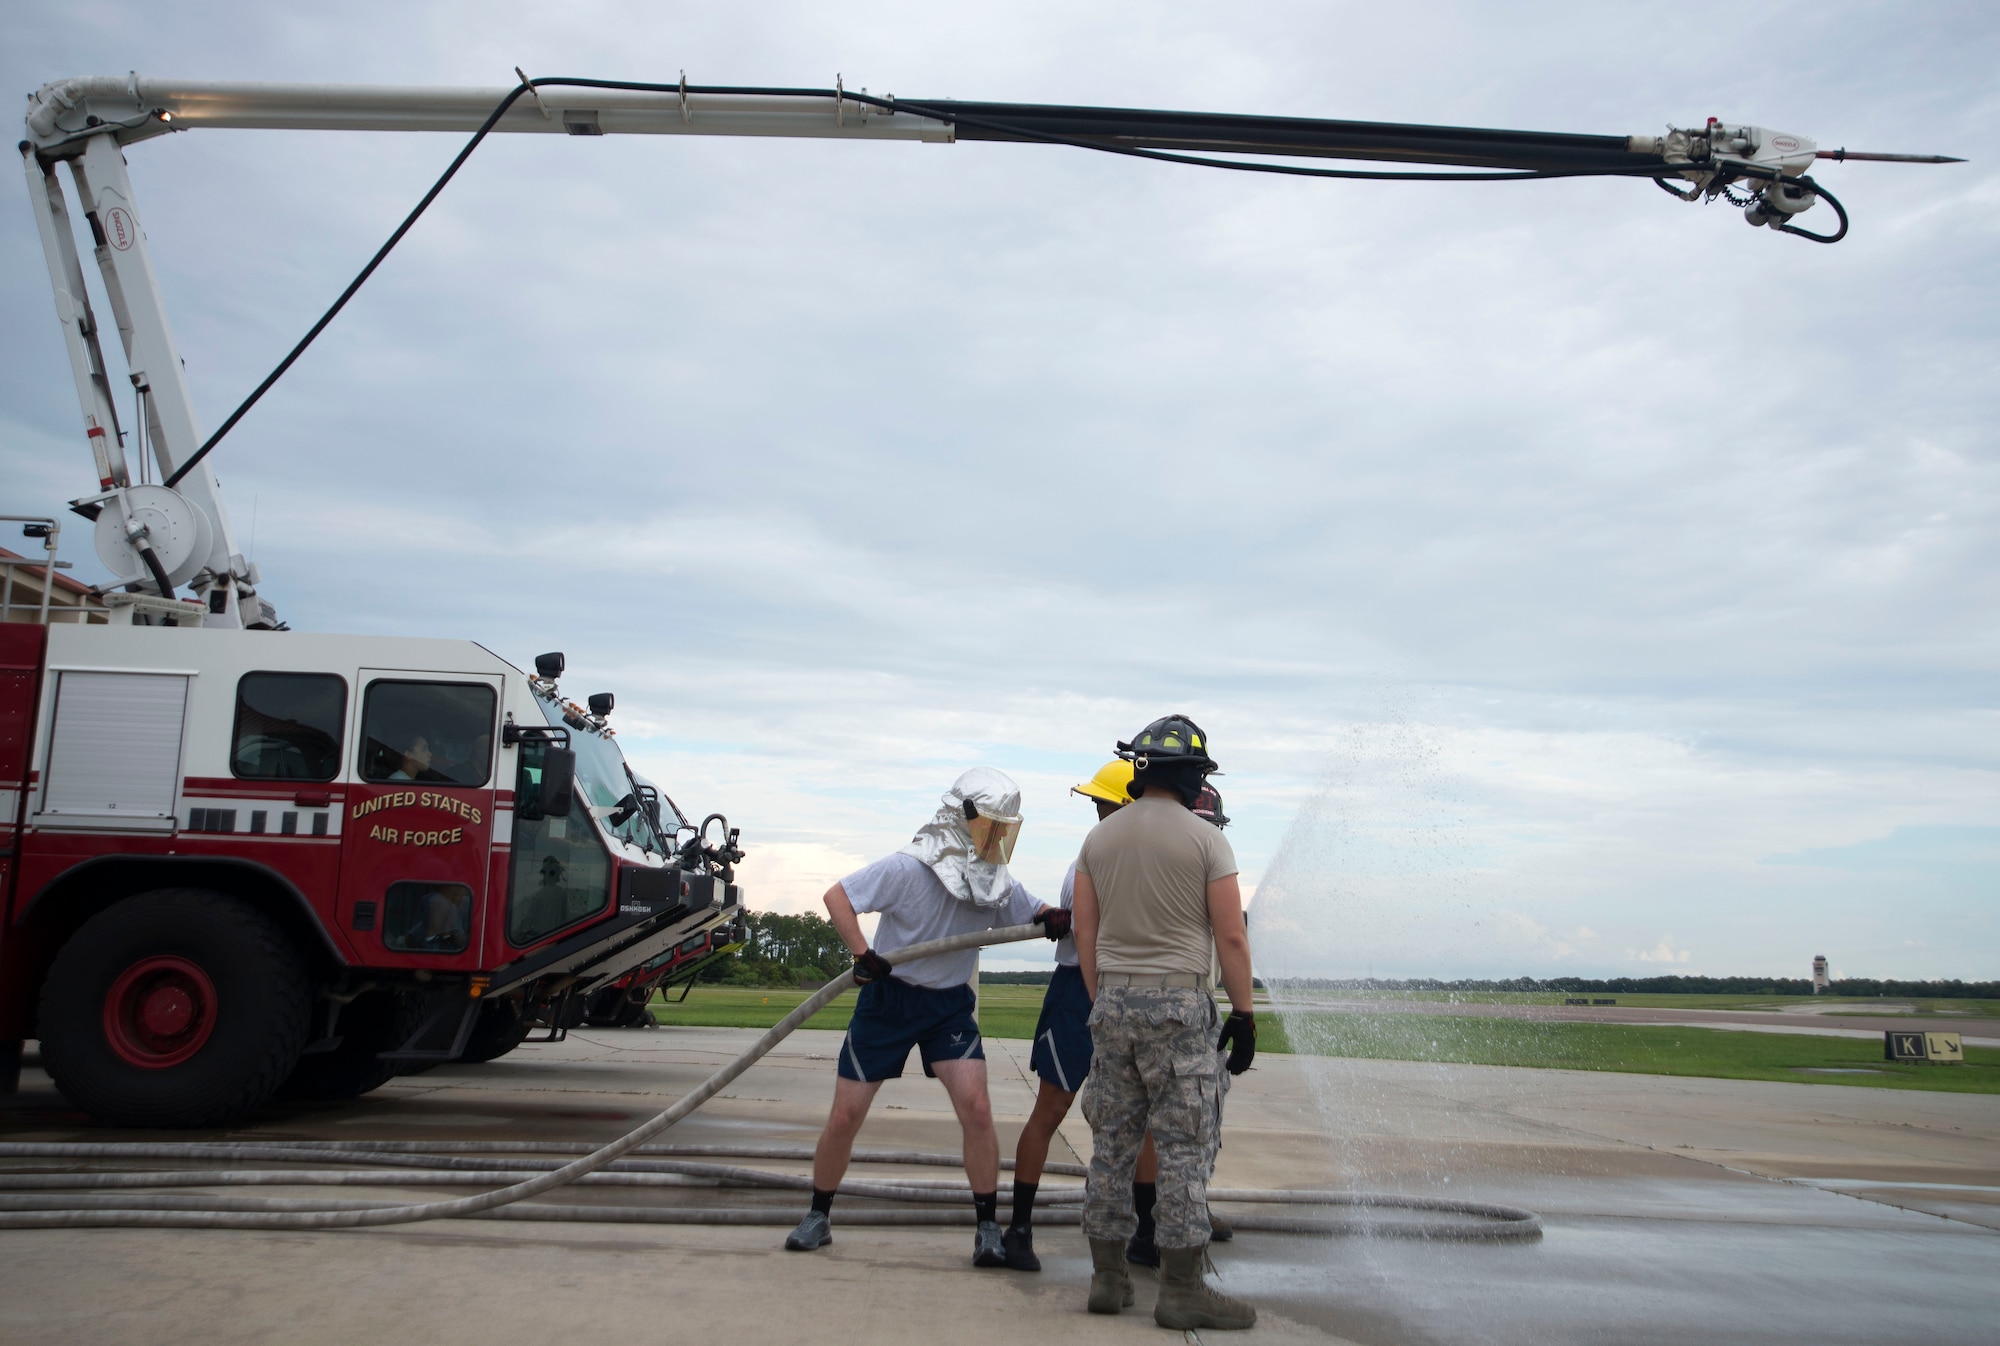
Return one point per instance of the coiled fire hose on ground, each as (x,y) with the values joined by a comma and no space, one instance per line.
(69,1201)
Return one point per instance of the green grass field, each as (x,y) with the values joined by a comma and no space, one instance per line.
(1010,1011)
(1636,1049)
(1004,1011)
(1958,1009)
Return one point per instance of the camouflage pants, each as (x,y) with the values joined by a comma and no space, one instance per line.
(1153,1066)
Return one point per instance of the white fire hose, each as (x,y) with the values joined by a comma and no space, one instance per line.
(54,1201)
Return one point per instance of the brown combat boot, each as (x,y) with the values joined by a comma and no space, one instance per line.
(1187,1301)
(1110,1283)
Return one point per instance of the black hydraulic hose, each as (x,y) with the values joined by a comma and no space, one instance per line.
(935,111)
(152,560)
(943,113)
(1695,194)
(1838,210)
(354,285)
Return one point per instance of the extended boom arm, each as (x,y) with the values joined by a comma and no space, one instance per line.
(157,537)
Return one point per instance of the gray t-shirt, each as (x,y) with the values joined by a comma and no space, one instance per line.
(1066,946)
(916,907)
(1151,863)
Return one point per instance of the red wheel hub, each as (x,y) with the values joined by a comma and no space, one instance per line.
(159,1012)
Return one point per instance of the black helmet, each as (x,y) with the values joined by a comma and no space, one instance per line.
(1172,752)
(1208,806)
(1172,740)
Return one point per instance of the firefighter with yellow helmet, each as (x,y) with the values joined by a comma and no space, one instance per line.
(1061,1055)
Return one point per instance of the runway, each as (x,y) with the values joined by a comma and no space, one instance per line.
(1676,1209)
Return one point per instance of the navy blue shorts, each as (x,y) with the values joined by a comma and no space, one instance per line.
(1062,1035)
(891,1016)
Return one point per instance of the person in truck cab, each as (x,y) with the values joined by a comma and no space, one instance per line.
(417,763)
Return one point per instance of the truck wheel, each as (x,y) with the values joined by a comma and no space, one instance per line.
(180,1007)
(614,1007)
(499,1029)
(379,1021)
(633,1014)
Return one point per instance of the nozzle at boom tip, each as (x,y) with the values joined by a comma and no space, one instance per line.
(1843,154)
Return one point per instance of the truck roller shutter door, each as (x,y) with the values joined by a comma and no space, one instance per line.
(115,751)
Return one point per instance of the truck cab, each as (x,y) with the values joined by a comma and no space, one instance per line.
(241,863)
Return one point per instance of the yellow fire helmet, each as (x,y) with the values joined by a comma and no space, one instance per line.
(1109,784)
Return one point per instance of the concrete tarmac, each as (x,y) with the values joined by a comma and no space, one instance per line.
(1676,1210)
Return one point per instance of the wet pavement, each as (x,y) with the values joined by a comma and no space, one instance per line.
(1675,1210)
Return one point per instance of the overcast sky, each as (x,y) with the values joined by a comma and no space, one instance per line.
(1571,580)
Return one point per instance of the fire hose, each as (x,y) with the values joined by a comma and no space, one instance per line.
(72,1200)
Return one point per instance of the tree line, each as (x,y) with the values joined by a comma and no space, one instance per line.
(782,951)
(789,950)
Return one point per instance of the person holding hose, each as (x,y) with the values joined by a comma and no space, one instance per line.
(1156,892)
(1142,1250)
(951,879)
(1061,1054)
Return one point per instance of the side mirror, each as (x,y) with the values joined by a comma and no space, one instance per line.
(558,781)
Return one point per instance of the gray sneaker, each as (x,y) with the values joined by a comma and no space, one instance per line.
(815,1231)
(988,1249)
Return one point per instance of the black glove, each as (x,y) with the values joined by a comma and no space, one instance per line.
(1239,1034)
(870,966)
(1055,922)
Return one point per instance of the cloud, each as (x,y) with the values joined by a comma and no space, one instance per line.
(1663,952)
(1968,852)
(791,877)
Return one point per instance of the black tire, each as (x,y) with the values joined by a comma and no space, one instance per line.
(376,1022)
(499,1029)
(636,1015)
(614,1007)
(250,1002)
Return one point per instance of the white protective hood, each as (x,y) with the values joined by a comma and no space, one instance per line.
(945,845)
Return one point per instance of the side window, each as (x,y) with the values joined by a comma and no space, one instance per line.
(288,726)
(426,917)
(561,873)
(440,732)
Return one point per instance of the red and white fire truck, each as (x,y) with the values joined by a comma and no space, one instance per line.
(242,863)
(236,862)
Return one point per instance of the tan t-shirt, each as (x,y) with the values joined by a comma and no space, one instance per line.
(1151,863)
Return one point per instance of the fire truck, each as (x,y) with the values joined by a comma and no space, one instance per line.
(245,863)
(238,861)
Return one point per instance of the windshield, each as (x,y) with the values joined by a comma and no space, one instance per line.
(668,815)
(603,780)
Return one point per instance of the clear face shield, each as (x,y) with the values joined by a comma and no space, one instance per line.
(993,838)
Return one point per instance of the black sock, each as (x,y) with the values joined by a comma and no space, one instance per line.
(987,1204)
(1144,1194)
(822,1201)
(1024,1204)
